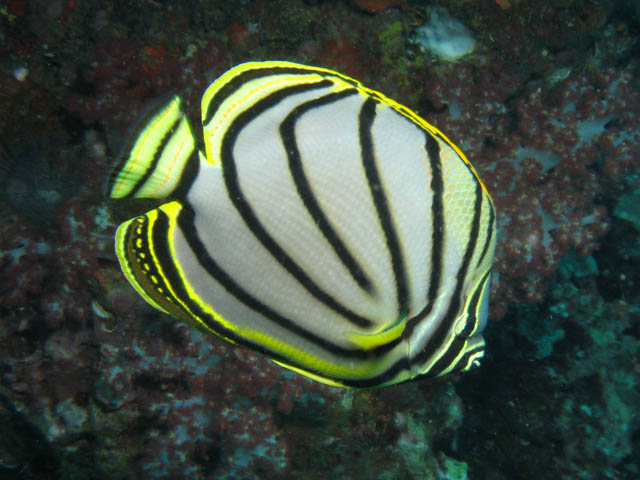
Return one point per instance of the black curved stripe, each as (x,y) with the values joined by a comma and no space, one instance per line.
(437,187)
(378,380)
(437,231)
(125,153)
(436,342)
(287,131)
(489,234)
(208,263)
(366,119)
(138,257)
(144,256)
(230,176)
(156,157)
(239,80)
(186,222)
(464,360)
(188,176)
(163,255)
(473,307)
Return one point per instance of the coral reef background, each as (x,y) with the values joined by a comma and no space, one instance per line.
(94,384)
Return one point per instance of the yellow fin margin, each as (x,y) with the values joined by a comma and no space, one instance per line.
(153,164)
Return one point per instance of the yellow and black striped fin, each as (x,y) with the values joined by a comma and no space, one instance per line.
(136,261)
(327,227)
(136,250)
(160,158)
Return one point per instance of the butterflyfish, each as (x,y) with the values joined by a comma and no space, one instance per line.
(317,222)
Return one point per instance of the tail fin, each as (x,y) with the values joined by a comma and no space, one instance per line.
(160,157)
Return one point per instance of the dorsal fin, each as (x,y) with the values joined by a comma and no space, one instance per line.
(160,157)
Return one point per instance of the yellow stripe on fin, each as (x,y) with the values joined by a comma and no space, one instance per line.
(158,156)
(136,261)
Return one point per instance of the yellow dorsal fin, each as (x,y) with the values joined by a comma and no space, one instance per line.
(160,158)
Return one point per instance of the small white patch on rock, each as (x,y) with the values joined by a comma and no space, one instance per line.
(444,36)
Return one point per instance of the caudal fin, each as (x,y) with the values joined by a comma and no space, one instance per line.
(161,156)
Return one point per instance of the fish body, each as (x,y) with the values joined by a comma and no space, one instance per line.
(321,224)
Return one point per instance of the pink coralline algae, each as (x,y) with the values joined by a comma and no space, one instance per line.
(203,413)
(545,155)
(51,273)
